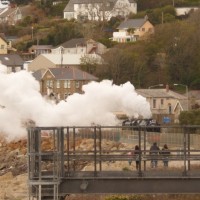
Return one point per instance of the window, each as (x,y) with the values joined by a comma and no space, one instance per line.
(77,84)
(2,46)
(154,103)
(49,83)
(67,84)
(170,108)
(162,102)
(143,29)
(57,84)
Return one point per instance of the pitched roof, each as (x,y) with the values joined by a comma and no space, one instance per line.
(70,5)
(41,47)
(160,93)
(8,12)
(132,23)
(67,73)
(11,60)
(74,42)
(69,59)
(38,74)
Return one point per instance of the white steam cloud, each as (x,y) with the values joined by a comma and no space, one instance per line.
(21,100)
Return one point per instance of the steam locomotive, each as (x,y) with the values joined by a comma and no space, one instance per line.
(150,125)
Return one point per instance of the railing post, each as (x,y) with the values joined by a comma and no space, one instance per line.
(95,151)
(188,140)
(100,148)
(74,148)
(184,153)
(68,156)
(140,157)
(62,151)
(145,143)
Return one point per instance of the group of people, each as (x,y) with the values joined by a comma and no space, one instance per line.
(154,152)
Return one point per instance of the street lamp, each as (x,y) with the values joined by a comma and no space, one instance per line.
(159,85)
(187,93)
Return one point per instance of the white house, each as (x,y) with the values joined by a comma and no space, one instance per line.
(80,46)
(185,10)
(132,29)
(98,9)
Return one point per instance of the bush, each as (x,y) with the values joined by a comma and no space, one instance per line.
(190,117)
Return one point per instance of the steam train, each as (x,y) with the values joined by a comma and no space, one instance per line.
(150,125)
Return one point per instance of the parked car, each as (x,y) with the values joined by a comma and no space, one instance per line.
(150,125)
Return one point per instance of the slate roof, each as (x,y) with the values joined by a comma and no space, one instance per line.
(11,60)
(160,93)
(41,47)
(132,23)
(38,74)
(67,73)
(74,42)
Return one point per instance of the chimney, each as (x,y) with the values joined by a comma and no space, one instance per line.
(167,88)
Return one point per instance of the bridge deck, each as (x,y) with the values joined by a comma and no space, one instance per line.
(66,173)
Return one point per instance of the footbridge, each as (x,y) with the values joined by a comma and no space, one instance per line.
(98,159)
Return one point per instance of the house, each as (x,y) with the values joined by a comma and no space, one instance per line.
(185,11)
(6,44)
(98,10)
(44,61)
(80,46)
(3,44)
(59,83)
(4,4)
(165,103)
(133,29)
(10,15)
(13,62)
(36,50)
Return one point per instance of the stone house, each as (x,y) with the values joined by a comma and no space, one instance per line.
(165,103)
(133,29)
(59,83)
(98,9)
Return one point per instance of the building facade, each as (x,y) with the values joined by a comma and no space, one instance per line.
(99,10)
(59,83)
(132,30)
(165,103)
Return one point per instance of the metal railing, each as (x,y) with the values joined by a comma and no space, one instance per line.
(60,153)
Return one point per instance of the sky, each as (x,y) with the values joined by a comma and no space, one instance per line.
(20,100)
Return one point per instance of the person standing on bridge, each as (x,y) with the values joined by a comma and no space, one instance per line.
(165,152)
(154,151)
(137,156)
